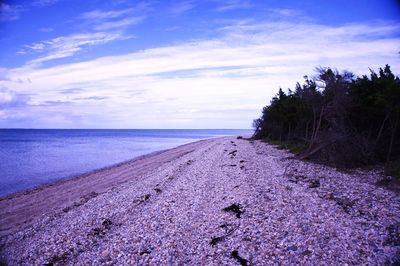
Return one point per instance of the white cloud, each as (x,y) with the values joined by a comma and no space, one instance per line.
(9,12)
(107,26)
(117,24)
(285,12)
(234,4)
(46,29)
(42,3)
(219,82)
(9,98)
(182,7)
(104,15)
(102,20)
(66,46)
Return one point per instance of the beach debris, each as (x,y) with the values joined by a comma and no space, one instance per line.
(296,178)
(105,254)
(233,152)
(158,190)
(242,261)
(146,197)
(393,234)
(345,203)
(314,183)
(306,252)
(228,228)
(215,240)
(289,188)
(57,259)
(142,199)
(101,230)
(234,208)
(107,223)
(83,200)
(241,161)
(304,217)
(144,252)
(233,165)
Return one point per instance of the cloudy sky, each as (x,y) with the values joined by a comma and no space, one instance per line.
(177,64)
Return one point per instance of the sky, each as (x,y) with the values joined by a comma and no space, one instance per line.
(177,64)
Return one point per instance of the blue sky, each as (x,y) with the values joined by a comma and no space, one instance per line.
(177,64)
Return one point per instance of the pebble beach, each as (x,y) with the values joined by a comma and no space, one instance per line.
(222,201)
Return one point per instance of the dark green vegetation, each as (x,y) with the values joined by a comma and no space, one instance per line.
(338,119)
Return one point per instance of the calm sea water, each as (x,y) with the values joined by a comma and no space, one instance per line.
(31,157)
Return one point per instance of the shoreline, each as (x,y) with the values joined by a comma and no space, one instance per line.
(207,202)
(90,172)
(77,176)
(7,200)
(82,175)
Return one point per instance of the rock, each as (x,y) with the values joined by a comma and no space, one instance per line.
(105,254)
(306,252)
(314,183)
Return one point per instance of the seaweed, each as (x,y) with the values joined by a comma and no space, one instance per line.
(234,208)
(229,229)
(56,259)
(144,252)
(242,261)
(101,230)
(314,183)
(145,198)
(82,201)
(215,240)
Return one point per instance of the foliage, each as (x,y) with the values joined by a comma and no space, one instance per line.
(339,119)
(393,168)
(292,147)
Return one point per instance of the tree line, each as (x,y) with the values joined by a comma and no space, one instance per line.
(338,118)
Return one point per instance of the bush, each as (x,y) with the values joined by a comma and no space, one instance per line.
(337,119)
(393,169)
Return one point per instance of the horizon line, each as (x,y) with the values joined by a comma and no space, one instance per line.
(129,128)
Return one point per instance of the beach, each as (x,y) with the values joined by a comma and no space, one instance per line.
(221,201)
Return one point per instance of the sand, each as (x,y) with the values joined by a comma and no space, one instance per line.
(223,201)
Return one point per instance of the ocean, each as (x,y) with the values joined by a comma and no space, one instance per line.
(32,157)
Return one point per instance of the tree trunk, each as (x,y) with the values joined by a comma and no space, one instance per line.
(393,133)
(380,132)
(317,128)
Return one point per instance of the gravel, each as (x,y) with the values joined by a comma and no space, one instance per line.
(228,202)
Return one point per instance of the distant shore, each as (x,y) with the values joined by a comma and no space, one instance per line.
(217,202)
